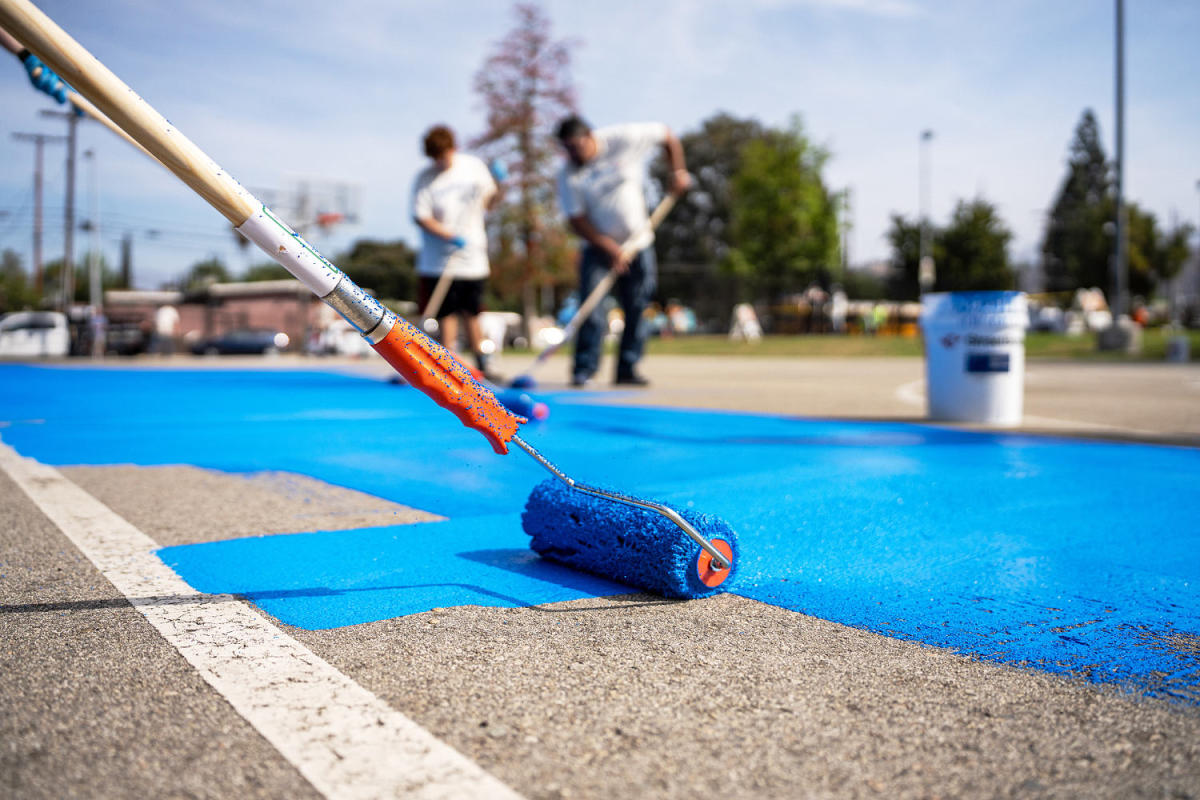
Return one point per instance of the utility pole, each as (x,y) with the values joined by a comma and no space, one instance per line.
(1121,259)
(68,282)
(39,140)
(95,298)
(846,225)
(127,261)
(926,270)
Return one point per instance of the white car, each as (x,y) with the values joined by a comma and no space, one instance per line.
(341,339)
(34,334)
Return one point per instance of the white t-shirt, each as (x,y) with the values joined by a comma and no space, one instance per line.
(166,320)
(455,197)
(610,189)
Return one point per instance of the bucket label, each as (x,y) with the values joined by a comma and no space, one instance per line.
(995,340)
(987,362)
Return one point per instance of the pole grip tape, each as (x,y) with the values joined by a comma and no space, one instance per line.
(432,369)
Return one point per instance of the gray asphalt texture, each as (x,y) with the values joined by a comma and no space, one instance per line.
(623,697)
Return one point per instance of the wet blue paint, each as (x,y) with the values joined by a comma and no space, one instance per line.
(334,578)
(1072,556)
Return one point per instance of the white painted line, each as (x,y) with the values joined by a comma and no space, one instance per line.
(1079,424)
(346,741)
(912,392)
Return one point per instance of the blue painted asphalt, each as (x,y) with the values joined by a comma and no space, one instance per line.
(1071,556)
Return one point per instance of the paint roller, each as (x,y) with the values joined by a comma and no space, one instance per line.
(526,380)
(641,542)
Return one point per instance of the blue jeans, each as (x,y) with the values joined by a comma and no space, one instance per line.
(633,290)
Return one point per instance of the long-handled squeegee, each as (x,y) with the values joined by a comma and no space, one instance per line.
(526,380)
(640,546)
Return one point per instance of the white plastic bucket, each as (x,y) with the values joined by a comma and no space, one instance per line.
(975,356)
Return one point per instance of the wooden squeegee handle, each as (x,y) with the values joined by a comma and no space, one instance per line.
(79,68)
(606,283)
(424,363)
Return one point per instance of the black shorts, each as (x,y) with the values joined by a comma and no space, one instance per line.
(464,295)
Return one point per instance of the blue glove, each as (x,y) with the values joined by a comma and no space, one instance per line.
(46,80)
(498,170)
(459,242)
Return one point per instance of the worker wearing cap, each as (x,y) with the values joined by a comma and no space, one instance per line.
(602,192)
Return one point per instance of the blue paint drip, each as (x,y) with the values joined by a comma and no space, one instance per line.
(1072,556)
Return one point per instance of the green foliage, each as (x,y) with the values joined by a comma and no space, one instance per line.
(971,253)
(1173,252)
(205,273)
(697,230)
(52,278)
(783,222)
(905,238)
(265,271)
(386,268)
(16,290)
(1155,256)
(862,285)
(1076,248)
(974,250)
(1079,245)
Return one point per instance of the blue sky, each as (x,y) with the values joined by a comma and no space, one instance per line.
(279,91)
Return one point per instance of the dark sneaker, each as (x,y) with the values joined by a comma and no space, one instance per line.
(632,379)
(581,381)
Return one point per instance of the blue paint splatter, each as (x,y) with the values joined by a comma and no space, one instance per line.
(1072,556)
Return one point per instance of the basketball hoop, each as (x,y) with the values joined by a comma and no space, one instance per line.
(327,220)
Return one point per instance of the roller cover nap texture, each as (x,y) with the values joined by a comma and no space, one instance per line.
(632,545)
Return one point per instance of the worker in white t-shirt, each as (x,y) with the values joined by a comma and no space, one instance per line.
(449,200)
(602,192)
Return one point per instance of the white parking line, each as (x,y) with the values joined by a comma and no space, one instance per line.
(912,392)
(346,741)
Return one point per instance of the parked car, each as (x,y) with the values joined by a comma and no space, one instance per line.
(340,339)
(243,341)
(34,334)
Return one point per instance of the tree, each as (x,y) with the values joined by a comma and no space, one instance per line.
(52,272)
(15,291)
(783,225)
(1173,252)
(265,271)
(1155,256)
(389,269)
(526,88)
(971,252)
(205,273)
(905,239)
(1076,249)
(974,250)
(697,231)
